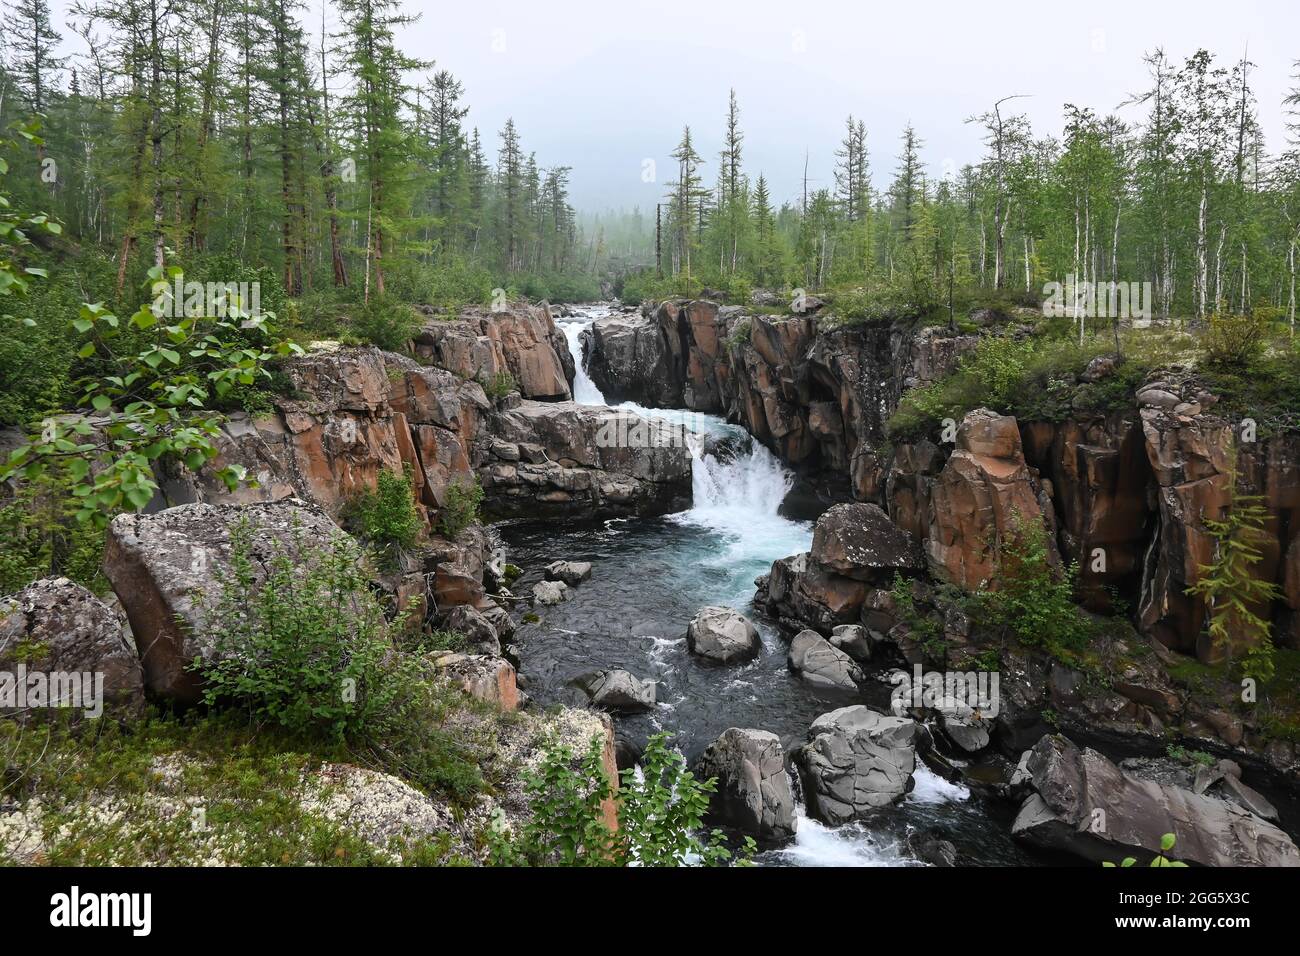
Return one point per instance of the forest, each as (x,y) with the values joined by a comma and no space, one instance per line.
(260,256)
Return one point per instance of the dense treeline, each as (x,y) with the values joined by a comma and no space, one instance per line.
(1188,198)
(231,127)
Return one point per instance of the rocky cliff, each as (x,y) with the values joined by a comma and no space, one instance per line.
(1125,494)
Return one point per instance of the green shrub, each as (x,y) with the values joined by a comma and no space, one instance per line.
(741,333)
(645,286)
(924,628)
(660,812)
(386,518)
(1233,592)
(307,648)
(1030,597)
(460,507)
(1035,379)
(388,324)
(555,287)
(1234,341)
(500,385)
(40,536)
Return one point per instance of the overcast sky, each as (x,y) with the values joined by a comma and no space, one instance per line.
(603,85)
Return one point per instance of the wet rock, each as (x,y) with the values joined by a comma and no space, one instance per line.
(1244,796)
(933,849)
(754,792)
(799,590)
(630,358)
(165,566)
(815,660)
(57,629)
(618,691)
(854,640)
(968,732)
(586,461)
(549,593)
(857,761)
(723,635)
(1086,805)
(571,573)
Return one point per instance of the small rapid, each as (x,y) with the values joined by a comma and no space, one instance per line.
(650,577)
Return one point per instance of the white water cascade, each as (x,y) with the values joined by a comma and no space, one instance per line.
(585,391)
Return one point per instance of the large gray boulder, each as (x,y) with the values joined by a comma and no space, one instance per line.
(550,593)
(571,573)
(852,639)
(856,761)
(618,690)
(723,635)
(755,793)
(821,664)
(570,460)
(77,645)
(859,541)
(167,569)
(1085,805)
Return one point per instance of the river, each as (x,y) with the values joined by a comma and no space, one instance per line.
(650,577)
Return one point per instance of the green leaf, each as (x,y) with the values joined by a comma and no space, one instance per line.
(139,497)
(1167,842)
(102,403)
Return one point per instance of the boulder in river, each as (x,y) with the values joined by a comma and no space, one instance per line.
(755,793)
(723,635)
(618,690)
(548,593)
(571,573)
(818,662)
(1085,805)
(856,761)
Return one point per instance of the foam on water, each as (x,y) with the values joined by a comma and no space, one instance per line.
(816,844)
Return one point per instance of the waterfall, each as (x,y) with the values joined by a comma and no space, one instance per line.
(737,497)
(585,391)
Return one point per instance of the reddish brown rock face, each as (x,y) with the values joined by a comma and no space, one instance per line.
(818,399)
(983,491)
(521,340)
(1100,477)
